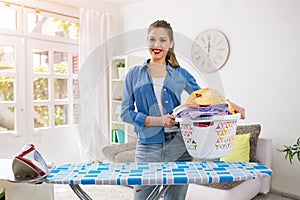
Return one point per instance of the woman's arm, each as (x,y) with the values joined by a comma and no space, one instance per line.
(167,121)
(238,109)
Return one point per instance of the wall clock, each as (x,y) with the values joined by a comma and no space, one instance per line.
(210,50)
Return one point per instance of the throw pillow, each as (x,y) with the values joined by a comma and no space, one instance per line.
(241,149)
(254,129)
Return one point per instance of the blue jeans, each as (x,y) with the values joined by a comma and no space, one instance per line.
(172,150)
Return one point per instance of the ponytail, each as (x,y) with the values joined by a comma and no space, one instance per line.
(171,58)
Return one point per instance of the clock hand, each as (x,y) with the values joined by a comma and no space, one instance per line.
(208,48)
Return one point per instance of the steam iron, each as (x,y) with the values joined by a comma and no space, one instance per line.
(29,166)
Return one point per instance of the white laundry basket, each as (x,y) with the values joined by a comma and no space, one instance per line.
(209,137)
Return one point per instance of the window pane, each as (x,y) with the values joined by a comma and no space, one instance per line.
(75,113)
(60,88)
(75,89)
(75,63)
(60,115)
(60,61)
(40,61)
(41,116)
(7,58)
(7,88)
(41,89)
(8,18)
(7,118)
(40,23)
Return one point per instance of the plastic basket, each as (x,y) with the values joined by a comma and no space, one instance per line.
(209,137)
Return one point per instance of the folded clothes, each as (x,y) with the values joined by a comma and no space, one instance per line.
(195,111)
(207,97)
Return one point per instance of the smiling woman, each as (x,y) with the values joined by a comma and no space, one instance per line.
(155,88)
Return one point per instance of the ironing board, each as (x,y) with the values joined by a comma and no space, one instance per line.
(161,174)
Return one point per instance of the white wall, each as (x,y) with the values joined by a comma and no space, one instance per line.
(262,71)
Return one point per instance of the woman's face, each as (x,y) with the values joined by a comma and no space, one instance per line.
(158,45)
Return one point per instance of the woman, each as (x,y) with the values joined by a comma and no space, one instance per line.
(151,92)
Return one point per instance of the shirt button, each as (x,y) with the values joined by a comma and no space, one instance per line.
(165,89)
(167,102)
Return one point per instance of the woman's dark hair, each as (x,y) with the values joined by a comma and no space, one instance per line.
(171,57)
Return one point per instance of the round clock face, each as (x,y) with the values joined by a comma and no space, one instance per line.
(210,50)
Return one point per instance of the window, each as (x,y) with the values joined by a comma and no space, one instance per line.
(11,19)
(10,52)
(39,85)
(55,88)
(50,25)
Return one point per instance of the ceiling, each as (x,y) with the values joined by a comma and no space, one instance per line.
(78,3)
(120,2)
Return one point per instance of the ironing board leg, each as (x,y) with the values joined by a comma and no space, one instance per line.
(154,196)
(153,193)
(80,193)
(165,187)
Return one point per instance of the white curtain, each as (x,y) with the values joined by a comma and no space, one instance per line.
(93,125)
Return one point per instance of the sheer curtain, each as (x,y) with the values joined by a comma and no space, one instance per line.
(95,27)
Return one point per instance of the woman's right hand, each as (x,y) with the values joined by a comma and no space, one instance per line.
(167,121)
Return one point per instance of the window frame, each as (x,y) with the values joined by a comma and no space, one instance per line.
(18,102)
(19,21)
(24,102)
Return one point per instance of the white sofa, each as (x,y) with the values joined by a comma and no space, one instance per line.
(246,190)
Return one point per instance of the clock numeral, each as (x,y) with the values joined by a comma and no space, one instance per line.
(215,61)
(196,52)
(215,38)
(198,58)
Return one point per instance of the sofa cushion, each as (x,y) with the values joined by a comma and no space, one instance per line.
(126,156)
(241,149)
(111,151)
(224,185)
(254,129)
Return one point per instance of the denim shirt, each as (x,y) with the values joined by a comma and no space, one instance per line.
(139,100)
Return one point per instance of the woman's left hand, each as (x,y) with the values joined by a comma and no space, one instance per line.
(238,109)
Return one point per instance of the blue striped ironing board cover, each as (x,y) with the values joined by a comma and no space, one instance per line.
(164,173)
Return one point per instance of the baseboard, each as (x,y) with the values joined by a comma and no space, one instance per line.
(285,194)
